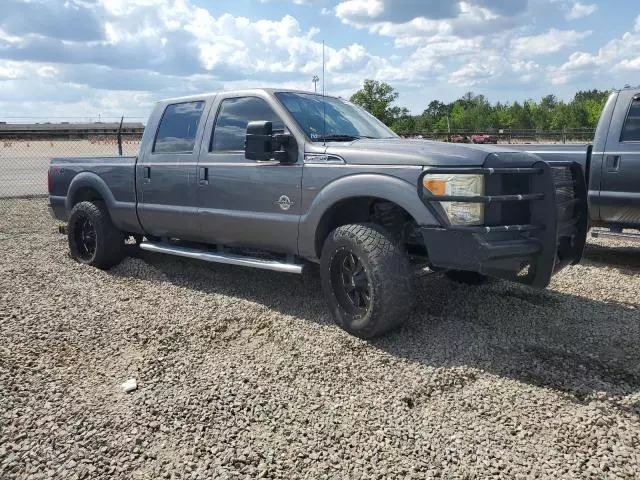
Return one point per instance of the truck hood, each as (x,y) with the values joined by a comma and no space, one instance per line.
(398,151)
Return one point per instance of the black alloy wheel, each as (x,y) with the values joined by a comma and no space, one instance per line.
(351,283)
(85,236)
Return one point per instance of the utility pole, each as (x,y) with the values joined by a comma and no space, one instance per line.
(315,81)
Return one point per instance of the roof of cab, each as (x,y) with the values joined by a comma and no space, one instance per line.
(209,95)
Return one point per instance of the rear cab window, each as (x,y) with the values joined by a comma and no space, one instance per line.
(178,128)
(234,115)
(631,128)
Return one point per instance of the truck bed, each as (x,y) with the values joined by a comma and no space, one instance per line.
(550,152)
(117,172)
(116,185)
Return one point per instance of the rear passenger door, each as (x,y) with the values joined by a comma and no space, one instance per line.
(167,175)
(243,202)
(620,188)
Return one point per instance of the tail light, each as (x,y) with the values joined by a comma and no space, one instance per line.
(50,173)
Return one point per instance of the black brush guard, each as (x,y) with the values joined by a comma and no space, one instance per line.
(528,235)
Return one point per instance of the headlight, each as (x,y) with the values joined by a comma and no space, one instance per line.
(459,213)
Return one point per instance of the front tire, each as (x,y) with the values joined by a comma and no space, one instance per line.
(93,238)
(366,279)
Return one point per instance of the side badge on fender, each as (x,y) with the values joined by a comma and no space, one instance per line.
(284,202)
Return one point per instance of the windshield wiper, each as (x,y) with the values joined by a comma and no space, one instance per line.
(340,138)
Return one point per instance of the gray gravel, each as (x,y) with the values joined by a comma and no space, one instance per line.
(241,373)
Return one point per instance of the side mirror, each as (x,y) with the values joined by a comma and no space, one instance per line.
(259,141)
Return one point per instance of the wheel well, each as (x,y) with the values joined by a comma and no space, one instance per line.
(376,210)
(85,194)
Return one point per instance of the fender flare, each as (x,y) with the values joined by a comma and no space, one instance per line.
(89,180)
(123,214)
(383,186)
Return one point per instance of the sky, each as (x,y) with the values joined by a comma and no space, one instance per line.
(90,59)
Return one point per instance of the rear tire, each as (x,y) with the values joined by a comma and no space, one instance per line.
(93,238)
(367,280)
(466,277)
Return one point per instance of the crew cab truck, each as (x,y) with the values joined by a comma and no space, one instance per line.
(611,165)
(275,179)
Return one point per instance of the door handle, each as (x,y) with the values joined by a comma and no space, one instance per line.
(613,163)
(147,174)
(204,176)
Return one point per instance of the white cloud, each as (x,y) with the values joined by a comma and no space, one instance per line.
(474,73)
(144,50)
(366,12)
(490,68)
(410,27)
(166,48)
(619,53)
(579,10)
(296,2)
(578,63)
(369,12)
(178,38)
(550,42)
(633,64)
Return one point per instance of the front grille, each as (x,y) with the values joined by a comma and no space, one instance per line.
(515,213)
(564,183)
(569,208)
(539,206)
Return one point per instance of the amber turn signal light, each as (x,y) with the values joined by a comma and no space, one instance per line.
(437,187)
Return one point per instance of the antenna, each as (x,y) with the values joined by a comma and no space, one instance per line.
(324,108)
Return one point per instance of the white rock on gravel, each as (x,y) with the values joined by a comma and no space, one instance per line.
(129,386)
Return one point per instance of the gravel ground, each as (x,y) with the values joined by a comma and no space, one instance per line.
(241,373)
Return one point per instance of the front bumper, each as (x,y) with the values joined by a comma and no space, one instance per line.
(536,222)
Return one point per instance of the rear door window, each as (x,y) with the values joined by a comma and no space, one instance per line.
(631,129)
(178,127)
(233,116)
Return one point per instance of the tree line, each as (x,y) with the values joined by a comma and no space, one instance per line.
(475,112)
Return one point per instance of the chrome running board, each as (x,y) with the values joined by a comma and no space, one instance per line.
(226,258)
(634,237)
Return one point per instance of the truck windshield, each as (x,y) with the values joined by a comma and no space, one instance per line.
(337,120)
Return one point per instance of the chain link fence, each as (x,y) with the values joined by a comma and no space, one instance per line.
(24,160)
(508,136)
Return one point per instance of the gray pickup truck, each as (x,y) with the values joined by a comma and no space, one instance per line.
(276,179)
(611,165)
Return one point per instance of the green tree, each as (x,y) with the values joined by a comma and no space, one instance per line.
(502,116)
(560,116)
(404,124)
(592,109)
(473,112)
(598,96)
(377,98)
(436,109)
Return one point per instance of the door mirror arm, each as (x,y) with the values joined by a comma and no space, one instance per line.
(282,142)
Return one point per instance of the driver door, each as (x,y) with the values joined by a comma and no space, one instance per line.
(242,202)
